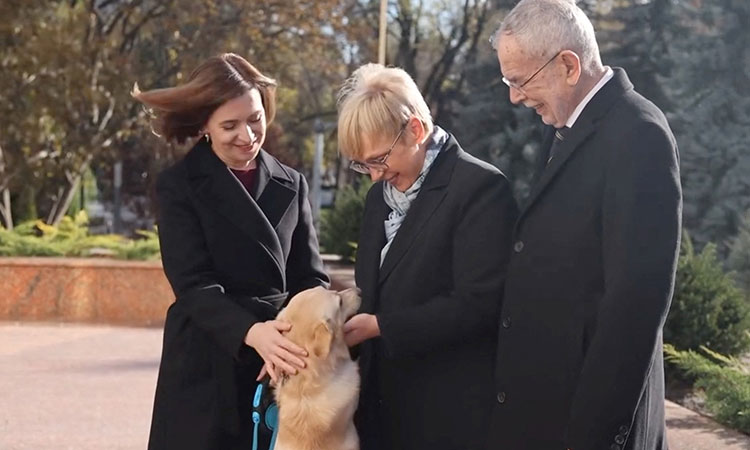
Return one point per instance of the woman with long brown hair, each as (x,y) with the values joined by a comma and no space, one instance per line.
(237,240)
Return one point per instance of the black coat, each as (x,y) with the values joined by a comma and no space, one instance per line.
(589,284)
(427,381)
(220,248)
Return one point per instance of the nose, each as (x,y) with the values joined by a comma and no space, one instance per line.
(247,133)
(516,95)
(376,174)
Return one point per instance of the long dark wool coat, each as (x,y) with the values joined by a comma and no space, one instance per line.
(589,285)
(220,248)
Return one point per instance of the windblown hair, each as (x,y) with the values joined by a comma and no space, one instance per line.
(182,111)
(375,102)
(546,27)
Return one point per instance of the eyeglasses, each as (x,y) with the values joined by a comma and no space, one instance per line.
(519,87)
(378,163)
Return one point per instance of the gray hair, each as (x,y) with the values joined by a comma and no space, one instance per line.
(546,27)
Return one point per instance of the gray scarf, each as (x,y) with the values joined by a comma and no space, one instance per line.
(400,202)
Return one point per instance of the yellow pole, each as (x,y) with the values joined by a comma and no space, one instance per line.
(382,31)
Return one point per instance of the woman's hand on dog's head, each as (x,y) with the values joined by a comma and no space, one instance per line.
(278,352)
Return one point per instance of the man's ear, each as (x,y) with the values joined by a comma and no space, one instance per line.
(321,340)
(572,63)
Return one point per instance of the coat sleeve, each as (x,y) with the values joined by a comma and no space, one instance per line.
(641,210)
(481,249)
(188,267)
(304,268)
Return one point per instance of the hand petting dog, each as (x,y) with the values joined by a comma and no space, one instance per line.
(360,328)
(279,353)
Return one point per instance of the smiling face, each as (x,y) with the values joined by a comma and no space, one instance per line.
(405,159)
(237,130)
(549,93)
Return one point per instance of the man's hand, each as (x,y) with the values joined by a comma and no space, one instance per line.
(361,328)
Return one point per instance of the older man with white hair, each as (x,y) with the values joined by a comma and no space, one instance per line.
(590,280)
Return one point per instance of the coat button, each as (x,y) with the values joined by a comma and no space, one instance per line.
(614,447)
(506,322)
(501,397)
(620,439)
(518,246)
(623,430)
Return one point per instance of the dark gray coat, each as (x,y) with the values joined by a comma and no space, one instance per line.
(589,285)
(220,248)
(427,381)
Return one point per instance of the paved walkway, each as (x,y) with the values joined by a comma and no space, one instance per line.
(79,387)
(73,387)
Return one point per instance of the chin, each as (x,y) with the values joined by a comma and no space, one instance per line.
(403,186)
(248,155)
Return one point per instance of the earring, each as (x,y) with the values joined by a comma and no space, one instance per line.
(208,138)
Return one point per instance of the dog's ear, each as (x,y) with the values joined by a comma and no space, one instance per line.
(322,340)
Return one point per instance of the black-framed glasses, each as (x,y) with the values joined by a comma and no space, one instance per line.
(519,87)
(379,163)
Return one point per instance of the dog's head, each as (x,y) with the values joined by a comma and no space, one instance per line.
(317,316)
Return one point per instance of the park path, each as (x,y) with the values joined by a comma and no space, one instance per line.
(87,387)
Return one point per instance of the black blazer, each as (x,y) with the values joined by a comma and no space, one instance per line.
(427,381)
(221,247)
(589,284)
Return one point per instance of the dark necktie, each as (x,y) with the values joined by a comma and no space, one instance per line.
(559,138)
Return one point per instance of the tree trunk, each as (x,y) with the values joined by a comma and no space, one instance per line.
(5,210)
(63,201)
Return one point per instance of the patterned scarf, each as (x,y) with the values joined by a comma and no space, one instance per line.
(400,202)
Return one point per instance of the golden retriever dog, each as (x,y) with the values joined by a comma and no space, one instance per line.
(316,406)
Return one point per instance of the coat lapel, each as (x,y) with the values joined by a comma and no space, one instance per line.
(575,137)
(274,189)
(368,251)
(584,126)
(430,196)
(220,190)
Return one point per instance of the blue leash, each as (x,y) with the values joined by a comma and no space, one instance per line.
(271,419)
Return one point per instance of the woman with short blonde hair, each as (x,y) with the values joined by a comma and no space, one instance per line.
(431,260)
(378,100)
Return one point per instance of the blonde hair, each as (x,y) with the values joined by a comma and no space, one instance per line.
(182,111)
(376,101)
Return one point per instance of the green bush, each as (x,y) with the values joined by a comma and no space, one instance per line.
(71,238)
(707,308)
(339,227)
(724,380)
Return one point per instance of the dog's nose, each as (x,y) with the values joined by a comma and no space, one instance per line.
(352,290)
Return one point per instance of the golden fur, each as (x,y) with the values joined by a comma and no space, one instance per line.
(316,406)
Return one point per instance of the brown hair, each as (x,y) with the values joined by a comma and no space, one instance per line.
(182,111)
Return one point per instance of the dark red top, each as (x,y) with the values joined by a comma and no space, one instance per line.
(246,177)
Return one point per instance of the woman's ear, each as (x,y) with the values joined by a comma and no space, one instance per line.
(416,129)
